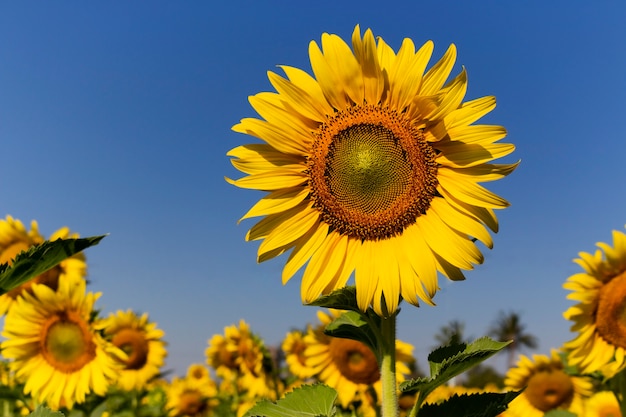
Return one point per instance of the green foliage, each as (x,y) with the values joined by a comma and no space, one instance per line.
(42,411)
(352,325)
(341,299)
(38,259)
(486,404)
(449,361)
(307,401)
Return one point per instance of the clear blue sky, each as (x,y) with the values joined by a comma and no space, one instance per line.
(115,118)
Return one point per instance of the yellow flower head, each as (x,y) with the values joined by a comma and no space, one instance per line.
(349,366)
(599,316)
(602,404)
(372,166)
(55,348)
(14,238)
(143,343)
(239,358)
(294,347)
(191,397)
(546,386)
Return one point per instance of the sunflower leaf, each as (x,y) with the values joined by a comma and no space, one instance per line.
(40,258)
(351,325)
(486,404)
(42,411)
(341,299)
(307,401)
(449,361)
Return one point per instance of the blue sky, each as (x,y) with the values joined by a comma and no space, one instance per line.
(115,118)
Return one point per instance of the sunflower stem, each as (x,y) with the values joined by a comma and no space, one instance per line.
(388,366)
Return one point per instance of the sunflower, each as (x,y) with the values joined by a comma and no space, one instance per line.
(190,396)
(602,404)
(142,341)
(56,348)
(599,316)
(546,386)
(294,347)
(372,157)
(240,358)
(349,366)
(14,238)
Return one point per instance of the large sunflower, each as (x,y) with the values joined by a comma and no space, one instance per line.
(546,387)
(56,348)
(600,315)
(14,238)
(349,366)
(142,341)
(374,167)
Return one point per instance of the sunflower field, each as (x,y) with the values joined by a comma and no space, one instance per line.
(373,170)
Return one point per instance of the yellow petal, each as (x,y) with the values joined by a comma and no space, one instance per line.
(274,136)
(290,230)
(277,201)
(468,191)
(453,95)
(365,278)
(462,155)
(461,222)
(307,83)
(272,180)
(303,250)
(436,77)
(367,55)
(345,66)
(298,98)
(388,280)
(321,269)
(326,78)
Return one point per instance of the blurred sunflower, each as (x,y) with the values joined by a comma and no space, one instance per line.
(349,366)
(294,346)
(191,397)
(56,348)
(143,344)
(198,372)
(599,316)
(374,167)
(602,404)
(546,387)
(14,238)
(239,357)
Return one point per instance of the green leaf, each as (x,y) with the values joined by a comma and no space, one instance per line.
(341,299)
(42,411)
(307,401)
(352,325)
(485,404)
(450,361)
(38,259)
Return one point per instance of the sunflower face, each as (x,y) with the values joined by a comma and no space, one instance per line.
(55,348)
(348,366)
(600,315)
(371,157)
(546,386)
(143,344)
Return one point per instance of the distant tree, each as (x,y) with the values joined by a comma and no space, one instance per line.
(509,326)
(451,333)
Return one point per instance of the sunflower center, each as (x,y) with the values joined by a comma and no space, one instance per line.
(549,389)
(133,342)
(355,361)
(191,403)
(609,411)
(611,313)
(66,342)
(371,172)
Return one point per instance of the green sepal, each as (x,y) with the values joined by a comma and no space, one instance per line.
(42,411)
(450,361)
(40,258)
(560,413)
(485,404)
(306,401)
(341,299)
(354,325)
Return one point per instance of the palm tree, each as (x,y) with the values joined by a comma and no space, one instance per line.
(508,326)
(451,333)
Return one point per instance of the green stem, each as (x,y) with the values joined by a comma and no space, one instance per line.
(388,367)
